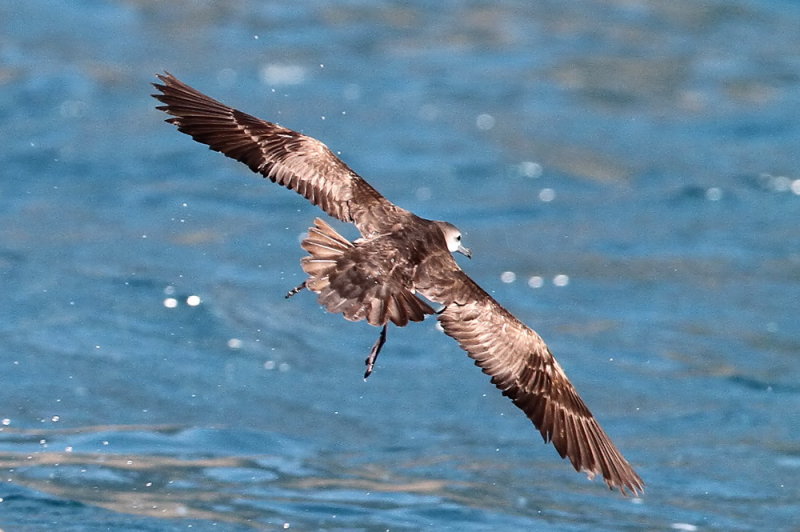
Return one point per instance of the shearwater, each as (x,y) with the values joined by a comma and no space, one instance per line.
(399,257)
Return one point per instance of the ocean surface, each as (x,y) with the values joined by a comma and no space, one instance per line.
(627,174)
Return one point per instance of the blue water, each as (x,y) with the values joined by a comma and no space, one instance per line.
(627,174)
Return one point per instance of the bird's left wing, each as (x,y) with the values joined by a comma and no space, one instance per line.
(522,367)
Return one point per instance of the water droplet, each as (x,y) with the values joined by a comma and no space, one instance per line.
(535,281)
(485,122)
(530,169)
(683,526)
(282,74)
(714,194)
(547,195)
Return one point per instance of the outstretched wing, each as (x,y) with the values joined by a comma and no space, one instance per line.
(522,367)
(296,161)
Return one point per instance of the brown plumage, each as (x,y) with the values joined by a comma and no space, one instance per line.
(372,280)
(378,277)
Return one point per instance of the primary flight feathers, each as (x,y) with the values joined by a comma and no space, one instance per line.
(379,277)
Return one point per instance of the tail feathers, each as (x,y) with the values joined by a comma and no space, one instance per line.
(325,247)
(403,307)
(323,242)
(399,307)
(377,309)
(333,273)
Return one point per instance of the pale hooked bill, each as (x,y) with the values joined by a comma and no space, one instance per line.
(400,257)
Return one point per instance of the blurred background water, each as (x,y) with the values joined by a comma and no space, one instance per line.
(626,173)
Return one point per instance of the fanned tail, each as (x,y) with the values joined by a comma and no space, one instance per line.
(335,271)
(325,246)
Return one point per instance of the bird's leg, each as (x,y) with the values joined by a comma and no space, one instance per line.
(295,290)
(373,354)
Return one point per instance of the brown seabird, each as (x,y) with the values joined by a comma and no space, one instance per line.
(379,277)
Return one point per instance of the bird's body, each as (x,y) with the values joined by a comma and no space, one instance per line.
(400,257)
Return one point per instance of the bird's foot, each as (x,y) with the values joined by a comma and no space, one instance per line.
(373,354)
(295,290)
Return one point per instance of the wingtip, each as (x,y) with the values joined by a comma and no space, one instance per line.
(166,80)
(162,89)
(628,486)
(631,487)
(166,76)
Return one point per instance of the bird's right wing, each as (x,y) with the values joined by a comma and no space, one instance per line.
(286,157)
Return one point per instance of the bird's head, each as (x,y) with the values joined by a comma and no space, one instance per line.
(452,236)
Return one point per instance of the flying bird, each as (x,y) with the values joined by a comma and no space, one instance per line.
(399,257)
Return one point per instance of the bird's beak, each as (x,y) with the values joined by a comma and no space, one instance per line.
(464,251)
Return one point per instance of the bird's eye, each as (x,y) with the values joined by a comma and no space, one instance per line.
(458,237)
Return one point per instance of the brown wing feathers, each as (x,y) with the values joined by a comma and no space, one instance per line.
(523,368)
(296,161)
